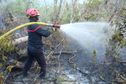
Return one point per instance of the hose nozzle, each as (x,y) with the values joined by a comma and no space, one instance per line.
(56,26)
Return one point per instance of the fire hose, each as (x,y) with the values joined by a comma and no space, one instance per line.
(24,25)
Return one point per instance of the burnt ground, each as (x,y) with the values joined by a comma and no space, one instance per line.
(69,64)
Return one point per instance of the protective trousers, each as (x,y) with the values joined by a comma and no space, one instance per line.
(35,54)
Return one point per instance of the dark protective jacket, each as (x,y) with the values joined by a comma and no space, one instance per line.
(35,33)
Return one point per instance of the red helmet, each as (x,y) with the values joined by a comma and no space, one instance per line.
(32,12)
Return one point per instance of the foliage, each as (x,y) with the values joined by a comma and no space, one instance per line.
(1,78)
(94,56)
(64,12)
(94,3)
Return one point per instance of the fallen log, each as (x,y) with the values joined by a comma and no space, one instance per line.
(20,40)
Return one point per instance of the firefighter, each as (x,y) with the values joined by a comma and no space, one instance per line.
(35,45)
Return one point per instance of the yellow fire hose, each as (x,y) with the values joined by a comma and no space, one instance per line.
(20,27)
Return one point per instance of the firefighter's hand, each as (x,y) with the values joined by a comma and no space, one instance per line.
(56,24)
